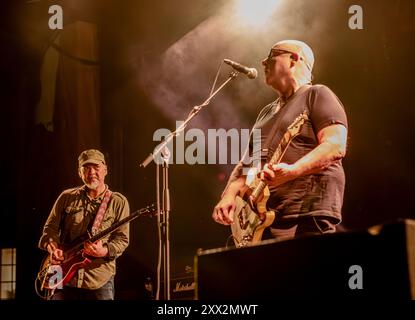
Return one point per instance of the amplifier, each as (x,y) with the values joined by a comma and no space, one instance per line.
(183,287)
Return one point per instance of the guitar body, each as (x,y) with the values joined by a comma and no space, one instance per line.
(55,276)
(250,220)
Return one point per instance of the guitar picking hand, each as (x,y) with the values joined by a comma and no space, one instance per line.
(223,212)
(56,254)
(96,249)
(278,174)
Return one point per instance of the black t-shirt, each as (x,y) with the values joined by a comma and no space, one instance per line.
(319,194)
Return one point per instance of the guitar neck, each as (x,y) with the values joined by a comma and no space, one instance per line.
(282,147)
(275,159)
(79,245)
(116,225)
(292,131)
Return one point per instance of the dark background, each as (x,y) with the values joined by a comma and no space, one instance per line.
(157,59)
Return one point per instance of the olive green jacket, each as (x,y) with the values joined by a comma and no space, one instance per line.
(72,216)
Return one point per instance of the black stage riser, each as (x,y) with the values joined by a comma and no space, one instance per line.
(312,267)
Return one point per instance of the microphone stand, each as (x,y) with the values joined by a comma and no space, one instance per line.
(165,153)
(163,209)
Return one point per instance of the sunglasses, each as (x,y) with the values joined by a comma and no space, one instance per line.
(278,52)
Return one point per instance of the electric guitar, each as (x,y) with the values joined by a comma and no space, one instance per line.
(251,215)
(53,276)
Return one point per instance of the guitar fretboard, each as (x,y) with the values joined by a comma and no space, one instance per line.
(112,228)
(292,131)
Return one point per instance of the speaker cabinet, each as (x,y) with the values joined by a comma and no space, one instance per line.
(377,262)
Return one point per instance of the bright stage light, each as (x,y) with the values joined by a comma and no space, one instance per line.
(255,13)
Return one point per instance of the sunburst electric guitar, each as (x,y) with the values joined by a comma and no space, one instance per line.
(52,277)
(251,215)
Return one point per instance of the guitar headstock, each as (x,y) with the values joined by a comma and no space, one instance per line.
(149,210)
(295,127)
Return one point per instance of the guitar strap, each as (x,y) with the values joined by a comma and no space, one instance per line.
(101,212)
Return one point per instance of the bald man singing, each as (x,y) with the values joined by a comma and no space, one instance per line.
(306,185)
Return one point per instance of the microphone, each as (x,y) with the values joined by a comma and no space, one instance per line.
(252,73)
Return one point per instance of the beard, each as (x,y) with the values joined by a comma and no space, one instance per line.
(92,185)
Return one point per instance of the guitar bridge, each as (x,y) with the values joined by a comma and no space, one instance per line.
(246,240)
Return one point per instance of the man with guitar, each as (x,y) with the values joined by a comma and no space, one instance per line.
(87,268)
(298,188)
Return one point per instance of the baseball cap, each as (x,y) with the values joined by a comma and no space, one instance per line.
(299,47)
(91,156)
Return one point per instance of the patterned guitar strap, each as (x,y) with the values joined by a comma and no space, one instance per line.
(101,212)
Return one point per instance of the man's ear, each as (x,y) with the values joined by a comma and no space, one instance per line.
(294,58)
(80,172)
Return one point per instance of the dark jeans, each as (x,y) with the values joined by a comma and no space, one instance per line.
(307,226)
(106,292)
